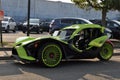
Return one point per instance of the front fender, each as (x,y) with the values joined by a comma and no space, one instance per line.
(23,39)
(110,42)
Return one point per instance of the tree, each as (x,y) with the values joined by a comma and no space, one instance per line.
(103,5)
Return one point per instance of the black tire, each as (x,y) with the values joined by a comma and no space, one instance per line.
(41,32)
(24,31)
(50,55)
(7,30)
(38,31)
(106,52)
(14,29)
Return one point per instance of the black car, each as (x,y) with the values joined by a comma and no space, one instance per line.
(59,23)
(19,26)
(34,26)
(113,25)
(45,26)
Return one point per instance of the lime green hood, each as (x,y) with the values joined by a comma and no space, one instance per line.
(28,39)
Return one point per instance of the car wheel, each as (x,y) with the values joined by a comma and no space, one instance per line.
(38,31)
(50,55)
(106,52)
(14,29)
(24,31)
(41,32)
(7,30)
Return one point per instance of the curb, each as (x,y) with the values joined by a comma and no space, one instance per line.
(5,49)
(116,54)
(7,58)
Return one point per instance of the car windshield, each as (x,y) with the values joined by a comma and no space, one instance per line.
(34,20)
(64,34)
(5,19)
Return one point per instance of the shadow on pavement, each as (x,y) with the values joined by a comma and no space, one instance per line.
(76,70)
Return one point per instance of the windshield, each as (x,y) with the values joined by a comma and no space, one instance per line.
(34,20)
(64,34)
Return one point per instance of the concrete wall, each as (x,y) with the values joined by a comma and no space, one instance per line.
(47,9)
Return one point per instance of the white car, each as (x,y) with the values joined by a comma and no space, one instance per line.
(8,24)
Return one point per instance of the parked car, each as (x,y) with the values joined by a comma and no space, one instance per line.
(80,41)
(34,26)
(59,23)
(113,25)
(45,26)
(8,24)
(19,26)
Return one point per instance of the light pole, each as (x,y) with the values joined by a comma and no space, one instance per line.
(1,27)
(28,19)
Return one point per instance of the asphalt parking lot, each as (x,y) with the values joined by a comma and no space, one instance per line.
(88,69)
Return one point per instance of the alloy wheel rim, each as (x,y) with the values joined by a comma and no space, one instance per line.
(51,55)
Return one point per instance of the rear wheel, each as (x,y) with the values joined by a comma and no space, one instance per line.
(106,52)
(50,55)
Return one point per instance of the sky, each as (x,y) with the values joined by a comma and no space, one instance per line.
(67,1)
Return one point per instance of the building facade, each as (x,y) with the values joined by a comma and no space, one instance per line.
(44,9)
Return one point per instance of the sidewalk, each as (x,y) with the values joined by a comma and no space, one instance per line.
(5,55)
(116,51)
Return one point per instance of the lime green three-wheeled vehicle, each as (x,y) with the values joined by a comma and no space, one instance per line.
(80,41)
